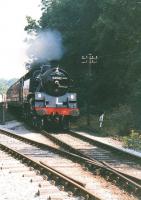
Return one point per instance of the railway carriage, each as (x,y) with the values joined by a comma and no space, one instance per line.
(45,97)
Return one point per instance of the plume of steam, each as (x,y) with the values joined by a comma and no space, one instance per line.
(46,46)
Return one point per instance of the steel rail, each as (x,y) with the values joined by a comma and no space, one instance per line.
(100,163)
(116,175)
(106,146)
(48,172)
(78,182)
(97,168)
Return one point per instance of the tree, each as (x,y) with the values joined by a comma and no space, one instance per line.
(5,84)
(109,29)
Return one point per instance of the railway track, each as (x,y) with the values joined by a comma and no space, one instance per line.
(67,187)
(19,180)
(123,162)
(90,185)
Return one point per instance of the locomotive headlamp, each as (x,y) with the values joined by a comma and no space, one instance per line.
(73,97)
(39,95)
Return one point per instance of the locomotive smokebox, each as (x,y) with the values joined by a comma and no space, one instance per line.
(55,81)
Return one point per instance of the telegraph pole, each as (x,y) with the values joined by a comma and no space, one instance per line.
(89,60)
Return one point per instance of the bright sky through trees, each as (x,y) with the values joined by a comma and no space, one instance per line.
(12,35)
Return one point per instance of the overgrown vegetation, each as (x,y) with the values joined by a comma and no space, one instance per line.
(133,141)
(116,122)
(110,29)
(5,84)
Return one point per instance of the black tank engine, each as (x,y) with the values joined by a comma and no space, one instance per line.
(45,97)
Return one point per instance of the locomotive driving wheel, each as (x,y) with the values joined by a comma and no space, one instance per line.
(65,123)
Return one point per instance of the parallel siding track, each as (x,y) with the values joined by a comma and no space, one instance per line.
(123,162)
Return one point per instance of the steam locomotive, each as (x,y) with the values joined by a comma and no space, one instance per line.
(45,97)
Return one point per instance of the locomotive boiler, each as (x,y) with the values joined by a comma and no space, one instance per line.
(45,97)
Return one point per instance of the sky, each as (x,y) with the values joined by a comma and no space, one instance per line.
(12,35)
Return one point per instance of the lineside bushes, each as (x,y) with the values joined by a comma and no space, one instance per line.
(133,141)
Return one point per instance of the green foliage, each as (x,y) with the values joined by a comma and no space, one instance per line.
(32,25)
(111,30)
(5,84)
(120,121)
(133,141)
(117,122)
(135,101)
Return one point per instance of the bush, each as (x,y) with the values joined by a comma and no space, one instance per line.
(133,141)
(118,122)
(121,119)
